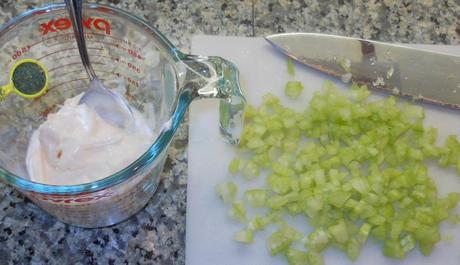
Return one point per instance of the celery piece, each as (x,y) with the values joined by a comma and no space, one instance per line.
(251,170)
(427,234)
(280,240)
(379,232)
(360,185)
(293,89)
(227,191)
(407,243)
(393,249)
(353,247)
(318,240)
(359,93)
(425,248)
(338,198)
(256,197)
(257,223)
(290,67)
(244,236)
(270,99)
(339,232)
(238,211)
(234,166)
(315,258)
(396,229)
(278,184)
(296,257)
(276,202)
(363,233)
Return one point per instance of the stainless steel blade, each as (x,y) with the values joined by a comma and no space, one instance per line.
(423,75)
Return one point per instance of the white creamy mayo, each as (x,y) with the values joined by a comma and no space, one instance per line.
(75,146)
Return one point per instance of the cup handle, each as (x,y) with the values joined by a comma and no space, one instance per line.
(215,77)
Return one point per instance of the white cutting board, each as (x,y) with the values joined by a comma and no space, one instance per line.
(209,230)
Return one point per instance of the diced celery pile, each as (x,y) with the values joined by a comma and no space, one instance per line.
(356,169)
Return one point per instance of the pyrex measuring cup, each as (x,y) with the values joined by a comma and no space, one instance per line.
(160,82)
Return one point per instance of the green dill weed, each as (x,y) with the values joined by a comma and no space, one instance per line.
(29,78)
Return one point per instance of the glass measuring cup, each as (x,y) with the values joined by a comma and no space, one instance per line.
(160,82)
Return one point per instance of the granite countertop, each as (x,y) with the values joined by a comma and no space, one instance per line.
(156,235)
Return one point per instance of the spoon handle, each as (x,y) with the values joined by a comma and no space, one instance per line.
(75,8)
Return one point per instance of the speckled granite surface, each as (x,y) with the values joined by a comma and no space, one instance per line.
(156,235)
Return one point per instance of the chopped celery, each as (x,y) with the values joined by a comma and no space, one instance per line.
(353,248)
(407,243)
(363,233)
(355,168)
(396,229)
(238,211)
(258,223)
(426,248)
(256,197)
(227,191)
(338,198)
(251,170)
(359,93)
(244,236)
(318,240)
(234,165)
(393,249)
(427,234)
(296,257)
(278,184)
(379,232)
(339,232)
(293,89)
(315,258)
(280,240)
(290,67)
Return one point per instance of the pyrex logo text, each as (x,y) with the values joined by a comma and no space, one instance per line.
(65,23)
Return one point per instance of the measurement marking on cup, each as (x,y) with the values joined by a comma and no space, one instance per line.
(129,51)
(60,66)
(64,75)
(128,79)
(63,50)
(103,71)
(45,39)
(113,37)
(130,65)
(66,82)
(91,55)
(71,35)
(73,80)
(69,64)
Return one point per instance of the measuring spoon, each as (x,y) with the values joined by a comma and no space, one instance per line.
(28,78)
(110,106)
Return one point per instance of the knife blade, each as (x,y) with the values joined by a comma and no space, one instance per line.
(422,75)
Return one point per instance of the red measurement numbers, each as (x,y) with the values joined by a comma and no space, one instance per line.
(20,52)
(17,54)
(131,52)
(130,80)
(65,23)
(130,65)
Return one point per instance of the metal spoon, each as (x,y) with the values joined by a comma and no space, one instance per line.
(110,106)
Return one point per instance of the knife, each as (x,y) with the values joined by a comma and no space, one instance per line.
(423,75)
